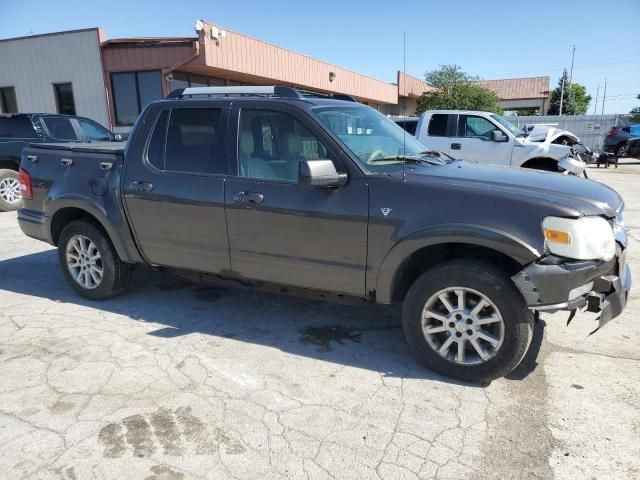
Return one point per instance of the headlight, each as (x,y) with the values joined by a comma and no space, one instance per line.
(586,238)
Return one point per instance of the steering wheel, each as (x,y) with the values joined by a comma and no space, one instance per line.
(377,153)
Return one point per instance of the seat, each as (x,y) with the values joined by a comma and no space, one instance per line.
(252,166)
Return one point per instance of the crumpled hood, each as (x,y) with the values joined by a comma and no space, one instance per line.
(587,197)
(547,133)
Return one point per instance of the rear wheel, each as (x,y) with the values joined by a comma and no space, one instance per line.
(90,262)
(10,198)
(465,319)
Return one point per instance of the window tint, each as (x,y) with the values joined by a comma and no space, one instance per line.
(16,127)
(60,128)
(132,91)
(64,98)
(409,125)
(155,153)
(438,125)
(8,102)
(470,126)
(191,141)
(271,144)
(94,132)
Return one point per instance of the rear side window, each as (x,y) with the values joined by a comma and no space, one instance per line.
(16,127)
(189,143)
(60,128)
(438,125)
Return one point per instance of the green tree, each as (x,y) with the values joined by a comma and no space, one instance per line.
(569,104)
(581,97)
(635,113)
(456,91)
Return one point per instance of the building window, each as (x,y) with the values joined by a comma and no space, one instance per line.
(132,91)
(184,80)
(64,98)
(8,102)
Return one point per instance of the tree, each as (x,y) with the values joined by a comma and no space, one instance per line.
(635,113)
(569,104)
(456,91)
(581,97)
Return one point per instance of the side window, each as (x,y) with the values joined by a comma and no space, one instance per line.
(192,140)
(470,126)
(626,129)
(438,125)
(155,151)
(60,128)
(271,145)
(94,132)
(16,127)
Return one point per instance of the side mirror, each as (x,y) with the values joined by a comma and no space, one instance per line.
(320,173)
(499,136)
(118,137)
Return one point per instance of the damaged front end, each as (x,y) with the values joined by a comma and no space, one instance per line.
(555,283)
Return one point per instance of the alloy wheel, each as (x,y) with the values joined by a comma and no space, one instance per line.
(463,326)
(84,262)
(10,190)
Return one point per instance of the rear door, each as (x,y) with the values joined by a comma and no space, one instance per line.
(437,132)
(474,142)
(284,232)
(174,187)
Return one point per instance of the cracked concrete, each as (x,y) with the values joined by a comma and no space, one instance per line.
(172,381)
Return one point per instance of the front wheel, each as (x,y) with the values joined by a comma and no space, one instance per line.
(90,262)
(465,319)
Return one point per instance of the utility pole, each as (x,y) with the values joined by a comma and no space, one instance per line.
(561,94)
(595,104)
(573,54)
(604,95)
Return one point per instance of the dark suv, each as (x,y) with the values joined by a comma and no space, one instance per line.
(616,140)
(20,129)
(269,185)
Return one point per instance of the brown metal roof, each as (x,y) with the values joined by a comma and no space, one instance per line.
(518,88)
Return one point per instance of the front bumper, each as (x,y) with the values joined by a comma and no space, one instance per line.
(552,284)
(574,166)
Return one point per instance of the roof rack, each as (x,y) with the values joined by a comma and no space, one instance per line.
(254,91)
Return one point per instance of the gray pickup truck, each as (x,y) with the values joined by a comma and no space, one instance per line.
(272,185)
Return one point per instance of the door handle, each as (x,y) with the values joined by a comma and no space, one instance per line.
(140,186)
(248,197)
(456,146)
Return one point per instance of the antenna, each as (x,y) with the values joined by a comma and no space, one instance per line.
(404,103)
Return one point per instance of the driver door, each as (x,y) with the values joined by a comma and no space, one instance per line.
(474,142)
(280,230)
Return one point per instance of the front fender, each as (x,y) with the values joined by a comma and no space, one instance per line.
(476,235)
(107,212)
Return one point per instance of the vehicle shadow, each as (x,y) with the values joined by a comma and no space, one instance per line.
(363,336)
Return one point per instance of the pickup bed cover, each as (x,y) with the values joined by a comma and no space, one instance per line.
(87,147)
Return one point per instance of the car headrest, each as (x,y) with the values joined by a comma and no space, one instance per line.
(246,144)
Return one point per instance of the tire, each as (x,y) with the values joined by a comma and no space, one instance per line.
(621,150)
(115,273)
(9,191)
(478,279)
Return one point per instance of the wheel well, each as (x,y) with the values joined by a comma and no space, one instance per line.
(421,260)
(64,216)
(541,163)
(8,165)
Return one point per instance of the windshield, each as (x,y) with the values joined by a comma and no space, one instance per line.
(509,126)
(373,138)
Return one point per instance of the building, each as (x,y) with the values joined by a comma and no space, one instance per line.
(531,95)
(111,81)
(57,72)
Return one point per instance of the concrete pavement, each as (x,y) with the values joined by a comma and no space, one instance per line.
(173,381)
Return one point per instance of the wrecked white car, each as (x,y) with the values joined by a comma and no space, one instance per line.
(488,138)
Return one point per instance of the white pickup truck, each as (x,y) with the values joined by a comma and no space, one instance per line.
(488,138)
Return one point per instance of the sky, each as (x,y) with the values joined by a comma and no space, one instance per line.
(489,39)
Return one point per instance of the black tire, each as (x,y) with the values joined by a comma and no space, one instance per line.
(5,176)
(621,150)
(116,273)
(493,283)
